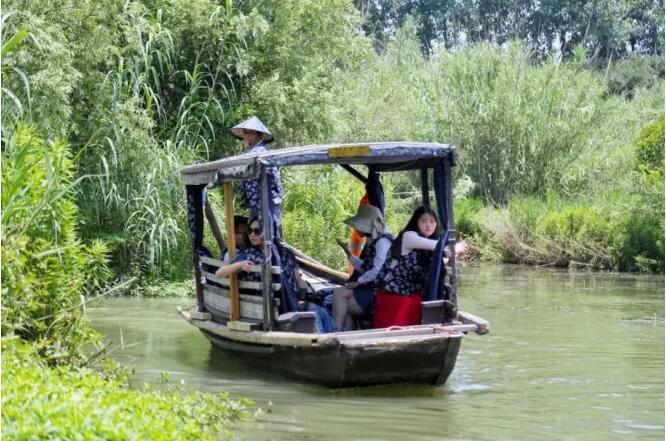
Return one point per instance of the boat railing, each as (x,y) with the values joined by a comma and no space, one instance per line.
(217,297)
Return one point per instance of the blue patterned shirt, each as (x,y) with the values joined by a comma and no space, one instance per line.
(253,255)
(250,189)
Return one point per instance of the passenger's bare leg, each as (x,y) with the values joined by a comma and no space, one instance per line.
(353,308)
(341,297)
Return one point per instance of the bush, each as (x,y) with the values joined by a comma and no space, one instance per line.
(46,271)
(636,72)
(61,403)
(650,147)
(317,201)
(467,216)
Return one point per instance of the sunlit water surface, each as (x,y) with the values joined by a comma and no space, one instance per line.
(571,356)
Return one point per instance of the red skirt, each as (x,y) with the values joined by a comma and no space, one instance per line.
(396,310)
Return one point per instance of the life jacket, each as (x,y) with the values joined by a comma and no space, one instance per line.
(356,239)
(368,256)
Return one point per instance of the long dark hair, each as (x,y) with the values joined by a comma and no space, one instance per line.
(246,235)
(413,225)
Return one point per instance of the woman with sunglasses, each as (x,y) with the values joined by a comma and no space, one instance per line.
(253,255)
(248,256)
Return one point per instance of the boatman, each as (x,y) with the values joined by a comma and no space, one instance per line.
(256,137)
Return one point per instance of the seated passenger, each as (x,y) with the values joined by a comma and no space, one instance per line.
(253,255)
(240,236)
(246,257)
(402,279)
(358,294)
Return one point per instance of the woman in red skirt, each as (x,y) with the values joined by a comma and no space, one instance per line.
(402,279)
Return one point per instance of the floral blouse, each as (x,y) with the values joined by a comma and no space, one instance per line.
(405,275)
(367,260)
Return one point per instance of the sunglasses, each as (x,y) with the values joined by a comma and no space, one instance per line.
(255,231)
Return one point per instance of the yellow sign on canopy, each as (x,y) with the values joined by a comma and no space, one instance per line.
(349,151)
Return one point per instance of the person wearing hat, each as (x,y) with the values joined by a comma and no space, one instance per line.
(256,137)
(357,296)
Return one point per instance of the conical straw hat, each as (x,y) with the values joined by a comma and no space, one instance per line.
(255,124)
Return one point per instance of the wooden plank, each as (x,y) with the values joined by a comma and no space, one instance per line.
(260,337)
(214,227)
(219,263)
(244,285)
(482,325)
(233,281)
(202,316)
(336,276)
(240,326)
(247,310)
(226,293)
(243,297)
(394,343)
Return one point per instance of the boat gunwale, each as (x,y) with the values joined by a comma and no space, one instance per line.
(349,339)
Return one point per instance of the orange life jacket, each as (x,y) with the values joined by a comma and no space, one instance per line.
(356,240)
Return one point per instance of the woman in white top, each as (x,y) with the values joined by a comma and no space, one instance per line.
(403,277)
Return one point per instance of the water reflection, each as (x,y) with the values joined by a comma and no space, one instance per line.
(571,355)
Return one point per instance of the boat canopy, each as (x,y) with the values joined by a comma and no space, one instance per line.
(382,156)
(377,156)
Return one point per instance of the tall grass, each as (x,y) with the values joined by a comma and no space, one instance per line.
(510,118)
(45,269)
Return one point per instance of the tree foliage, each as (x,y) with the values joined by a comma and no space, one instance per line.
(604,27)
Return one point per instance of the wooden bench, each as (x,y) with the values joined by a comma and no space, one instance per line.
(217,299)
(432,312)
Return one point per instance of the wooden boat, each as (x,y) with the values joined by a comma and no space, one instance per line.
(246,319)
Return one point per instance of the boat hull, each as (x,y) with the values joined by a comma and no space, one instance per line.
(353,363)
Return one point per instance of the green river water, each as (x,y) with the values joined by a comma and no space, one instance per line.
(571,356)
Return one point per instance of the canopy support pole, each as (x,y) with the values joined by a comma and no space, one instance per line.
(354,173)
(448,185)
(233,279)
(266,276)
(425,191)
(214,227)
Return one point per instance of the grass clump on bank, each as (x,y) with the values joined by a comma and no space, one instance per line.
(39,402)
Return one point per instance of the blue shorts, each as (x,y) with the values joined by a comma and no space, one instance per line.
(365,297)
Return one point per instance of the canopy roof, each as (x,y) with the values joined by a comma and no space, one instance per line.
(385,156)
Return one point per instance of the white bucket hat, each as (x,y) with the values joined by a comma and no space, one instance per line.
(368,220)
(255,124)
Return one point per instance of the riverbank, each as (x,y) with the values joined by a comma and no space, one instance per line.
(42,402)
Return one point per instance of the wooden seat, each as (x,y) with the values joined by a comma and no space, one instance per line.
(436,311)
(297,321)
(432,312)
(217,296)
(217,299)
